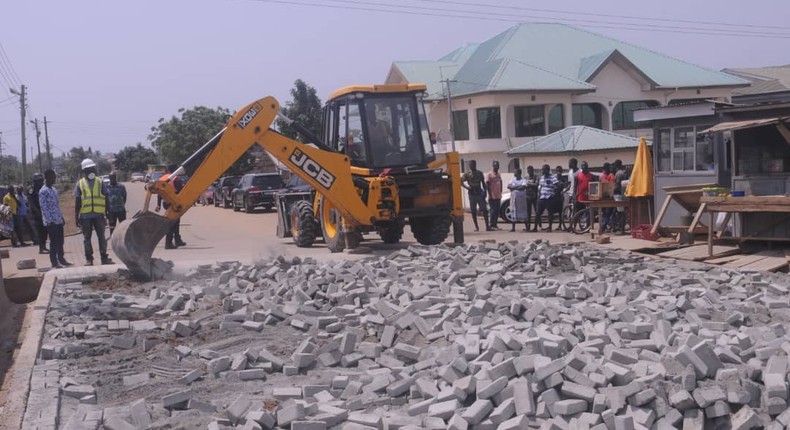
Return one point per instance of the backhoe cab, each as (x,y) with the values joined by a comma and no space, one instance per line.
(373,170)
(383,129)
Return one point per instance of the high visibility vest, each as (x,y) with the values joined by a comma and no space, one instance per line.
(93,201)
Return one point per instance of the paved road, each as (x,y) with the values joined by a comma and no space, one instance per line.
(217,234)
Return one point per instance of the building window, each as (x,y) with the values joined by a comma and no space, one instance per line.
(556,118)
(461,125)
(588,114)
(684,149)
(489,125)
(513,165)
(530,121)
(623,113)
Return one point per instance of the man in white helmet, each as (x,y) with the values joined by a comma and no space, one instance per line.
(90,210)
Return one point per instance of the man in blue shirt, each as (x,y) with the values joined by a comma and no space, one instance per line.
(52,219)
(547,185)
(116,202)
(90,209)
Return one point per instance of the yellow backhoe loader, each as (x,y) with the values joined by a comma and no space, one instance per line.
(374,170)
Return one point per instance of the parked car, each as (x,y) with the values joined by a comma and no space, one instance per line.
(153,176)
(137,177)
(224,190)
(208,195)
(255,190)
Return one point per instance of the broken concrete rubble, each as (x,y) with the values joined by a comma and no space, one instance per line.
(500,336)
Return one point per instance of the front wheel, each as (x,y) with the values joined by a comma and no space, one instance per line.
(304,227)
(567,215)
(248,206)
(233,203)
(581,222)
(332,228)
(430,230)
(392,232)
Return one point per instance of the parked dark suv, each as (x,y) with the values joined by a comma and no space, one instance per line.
(257,189)
(224,190)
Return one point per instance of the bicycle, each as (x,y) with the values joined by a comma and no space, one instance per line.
(581,221)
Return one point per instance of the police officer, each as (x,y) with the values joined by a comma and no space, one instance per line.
(90,208)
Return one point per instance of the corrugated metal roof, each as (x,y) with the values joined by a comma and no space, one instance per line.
(765,80)
(561,57)
(429,73)
(575,139)
(740,125)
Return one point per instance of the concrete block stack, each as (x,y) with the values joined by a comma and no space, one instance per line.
(484,336)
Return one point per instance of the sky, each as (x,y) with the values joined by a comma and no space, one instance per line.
(104,72)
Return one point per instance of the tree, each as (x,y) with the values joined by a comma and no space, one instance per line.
(178,138)
(10,170)
(304,109)
(135,158)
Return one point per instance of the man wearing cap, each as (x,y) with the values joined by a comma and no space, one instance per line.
(116,202)
(35,210)
(90,208)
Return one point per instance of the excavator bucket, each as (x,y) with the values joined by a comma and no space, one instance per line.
(134,241)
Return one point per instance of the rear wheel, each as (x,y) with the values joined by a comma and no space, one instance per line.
(233,203)
(248,206)
(430,230)
(392,232)
(580,223)
(304,227)
(225,203)
(332,228)
(505,213)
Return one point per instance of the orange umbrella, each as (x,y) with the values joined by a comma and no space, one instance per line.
(641,183)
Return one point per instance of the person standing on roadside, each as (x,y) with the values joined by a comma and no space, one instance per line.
(531,193)
(35,211)
(23,215)
(573,170)
(52,219)
(583,179)
(12,203)
(90,210)
(477,193)
(173,236)
(116,202)
(558,200)
(548,182)
(518,201)
(494,185)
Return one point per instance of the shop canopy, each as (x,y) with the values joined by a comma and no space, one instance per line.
(749,123)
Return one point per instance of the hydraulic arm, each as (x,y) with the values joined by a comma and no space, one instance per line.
(358,201)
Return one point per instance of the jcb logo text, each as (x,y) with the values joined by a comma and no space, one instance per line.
(250,115)
(315,170)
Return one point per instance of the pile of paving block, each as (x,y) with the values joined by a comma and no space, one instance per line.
(484,336)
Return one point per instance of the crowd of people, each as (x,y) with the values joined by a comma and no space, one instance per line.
(535,194)
(35,213)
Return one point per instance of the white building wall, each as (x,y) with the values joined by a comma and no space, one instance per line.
(615,84)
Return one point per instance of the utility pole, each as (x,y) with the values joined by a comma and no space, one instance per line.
(46,140)
(450,111)
(38,144)
(22,108)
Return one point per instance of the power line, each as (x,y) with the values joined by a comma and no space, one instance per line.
(475,15)
(572,20)
(632,17)
(14,75)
